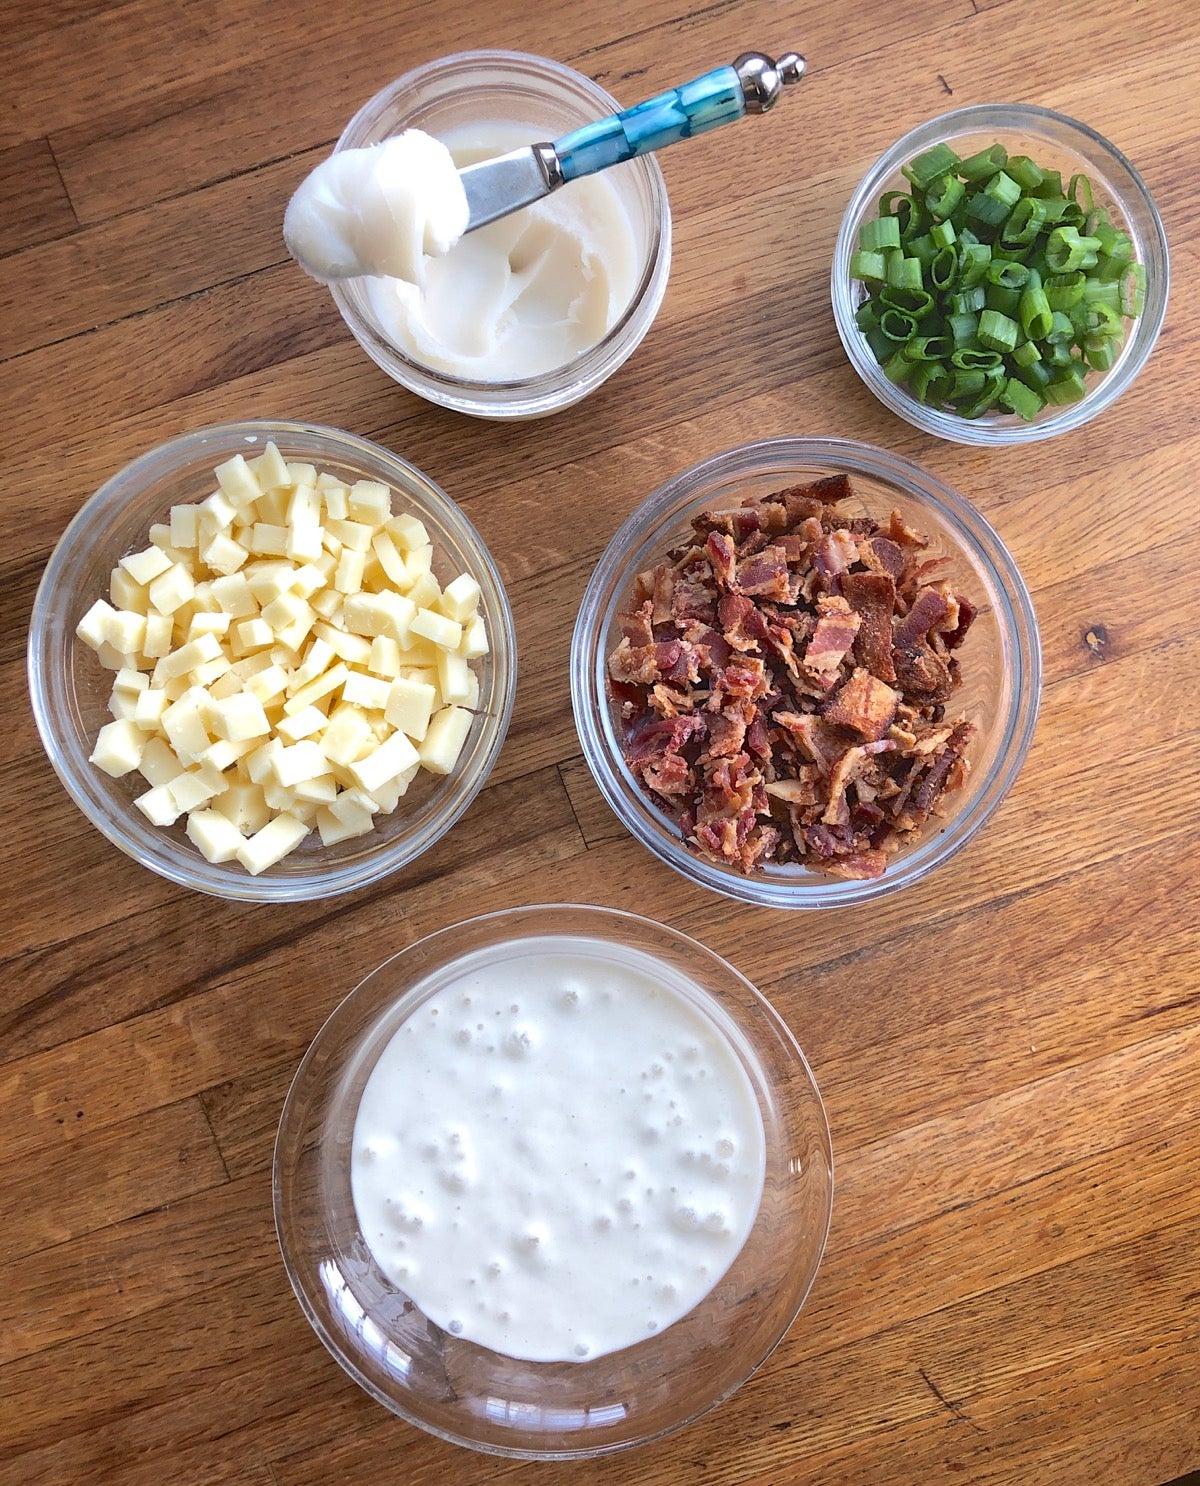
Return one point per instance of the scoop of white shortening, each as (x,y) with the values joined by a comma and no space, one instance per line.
(378,211)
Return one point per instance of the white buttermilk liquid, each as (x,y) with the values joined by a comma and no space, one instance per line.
(558,1153)
(524,295)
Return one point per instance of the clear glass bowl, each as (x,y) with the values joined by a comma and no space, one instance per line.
(467,1393)
(70,689)
(1000,659)
(1055,142)
(515,88)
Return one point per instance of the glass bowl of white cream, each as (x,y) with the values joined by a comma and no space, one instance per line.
(528,315)
(553,1182)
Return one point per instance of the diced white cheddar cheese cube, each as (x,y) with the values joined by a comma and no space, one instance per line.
(224,555)
(370,692)
(389,795)
(424,592)
(327,602)
(238,717)
(119,747)
(308,579)
(204,623)
(189,791)
(346,736)
(301,473)
(474,641)
(215,513)
(384,657)
(126,631)
(180,662)
(323,686)
(409,707)
(158,806)
(210,670)
(234,597)
(244,804)
(125,593)
(270,468)
(214,835)
(304,724)
(266,540)
(183,723)
(299,761)
(355,650)
(419,562)
(460,598)
(454,678)
(149,708)
(390,560)
(158,763)
(226,685)
(318,791)
(184,527)
(270,845)
(370,502)
(129,680)
(171,589)
(159,633)
(254,634)
(349,574)
(291,617)
(223,754)
(336,499)
(122,706)
(442,744)
(355,536)
(238,481)
(316,662)
(407,532)
(266,683)
(92,629)
(440,631)
(346,827)
(384,763)
(144,566)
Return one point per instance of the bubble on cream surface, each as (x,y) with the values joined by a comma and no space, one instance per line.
(607,1193)
(381,210)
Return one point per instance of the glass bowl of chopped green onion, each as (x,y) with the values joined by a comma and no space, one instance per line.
(1000,275)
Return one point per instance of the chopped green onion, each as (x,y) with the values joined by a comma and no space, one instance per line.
(988,286)
(926,168)
(997,332)
(943,196)
(1026,174)
(882,232)
(985,164)
(1022,399)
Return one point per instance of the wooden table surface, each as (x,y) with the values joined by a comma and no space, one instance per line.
(1010,1053)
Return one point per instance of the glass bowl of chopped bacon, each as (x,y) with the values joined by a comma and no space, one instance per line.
(805,672)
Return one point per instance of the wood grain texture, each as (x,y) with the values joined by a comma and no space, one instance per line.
(1009,1052)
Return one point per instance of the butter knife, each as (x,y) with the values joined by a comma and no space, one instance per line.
(751,85)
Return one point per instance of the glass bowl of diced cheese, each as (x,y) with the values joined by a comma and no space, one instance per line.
(272,661)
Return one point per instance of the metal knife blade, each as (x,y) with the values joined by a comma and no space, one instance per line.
(496,187)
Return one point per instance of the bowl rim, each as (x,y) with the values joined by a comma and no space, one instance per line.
(154,848)
(558,387)
(645,531)
(281,1176)
(1036,120)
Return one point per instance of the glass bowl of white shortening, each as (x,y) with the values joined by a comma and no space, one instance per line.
(464,1288)
(482,104)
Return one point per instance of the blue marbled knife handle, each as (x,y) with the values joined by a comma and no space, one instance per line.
(716,98)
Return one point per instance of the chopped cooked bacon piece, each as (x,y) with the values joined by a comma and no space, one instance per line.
(872,596)
(882,555)
(637,626)
(865,704)
(836,628)
(722,556)
(744,626)
(765,574)
(835,552)
(928,610)
(922,674)
(781,679)
(966,616)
